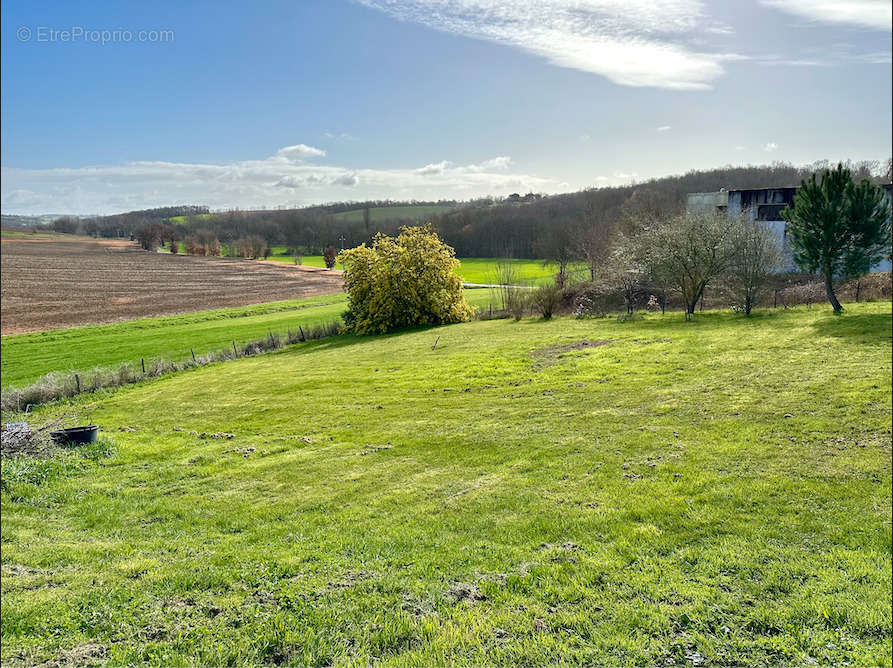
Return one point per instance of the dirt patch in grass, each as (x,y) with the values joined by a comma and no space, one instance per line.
(550,355)
(465,591)
(373,449)
(88,654)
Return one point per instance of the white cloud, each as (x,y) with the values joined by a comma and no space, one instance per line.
(299,151)
(269,182)
(499,162)
(630,42)
(770,147)
(872,14)
(740,148)
(665,128)
(434,168)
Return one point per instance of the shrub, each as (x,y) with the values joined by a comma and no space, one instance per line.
(175,248)
(877,285)
(545,300)
(330,255)
(401,282)
(517,300)
(194,247)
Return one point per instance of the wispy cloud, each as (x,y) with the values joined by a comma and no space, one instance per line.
(343,136)
(630,42)
(872,14)
(770,147)
(664,128)
(281,179)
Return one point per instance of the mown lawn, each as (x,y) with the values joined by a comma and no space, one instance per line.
(26,357)
(712,492)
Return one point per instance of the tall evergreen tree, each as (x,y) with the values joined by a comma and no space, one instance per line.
(838,228)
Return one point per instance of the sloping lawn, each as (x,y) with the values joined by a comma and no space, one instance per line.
(573,491)
(26,357)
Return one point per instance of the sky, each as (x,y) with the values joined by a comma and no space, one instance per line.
(110,107)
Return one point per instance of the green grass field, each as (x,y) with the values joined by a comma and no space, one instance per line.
(8,233)
(529,272)
(280,254)
(472,269)
(713,492)
(26,357)
(182,219)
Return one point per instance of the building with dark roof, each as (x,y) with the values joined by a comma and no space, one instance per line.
(765,204)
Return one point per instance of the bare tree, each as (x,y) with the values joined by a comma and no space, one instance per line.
(756,255)
(625,271)
(688,252)
(595,235)
(558,245)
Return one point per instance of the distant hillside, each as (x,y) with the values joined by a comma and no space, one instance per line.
(383,213)
(530,226)
(13,220)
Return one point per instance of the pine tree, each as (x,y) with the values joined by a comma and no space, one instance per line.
(838,228)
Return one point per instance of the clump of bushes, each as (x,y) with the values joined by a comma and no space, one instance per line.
(402,282)
(546,299)
(203,242)
(251,248)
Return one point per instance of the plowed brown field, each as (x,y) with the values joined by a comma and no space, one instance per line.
(52,283)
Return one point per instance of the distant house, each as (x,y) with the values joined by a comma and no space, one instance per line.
(516,198)
(763,204)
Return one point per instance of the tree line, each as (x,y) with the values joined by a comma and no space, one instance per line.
(564,228)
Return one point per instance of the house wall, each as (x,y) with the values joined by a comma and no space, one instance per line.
(766,205)
(763,204)
(706,202)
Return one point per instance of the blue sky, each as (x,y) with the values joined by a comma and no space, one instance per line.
(292,103)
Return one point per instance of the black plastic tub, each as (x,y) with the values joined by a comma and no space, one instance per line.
(75,435)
